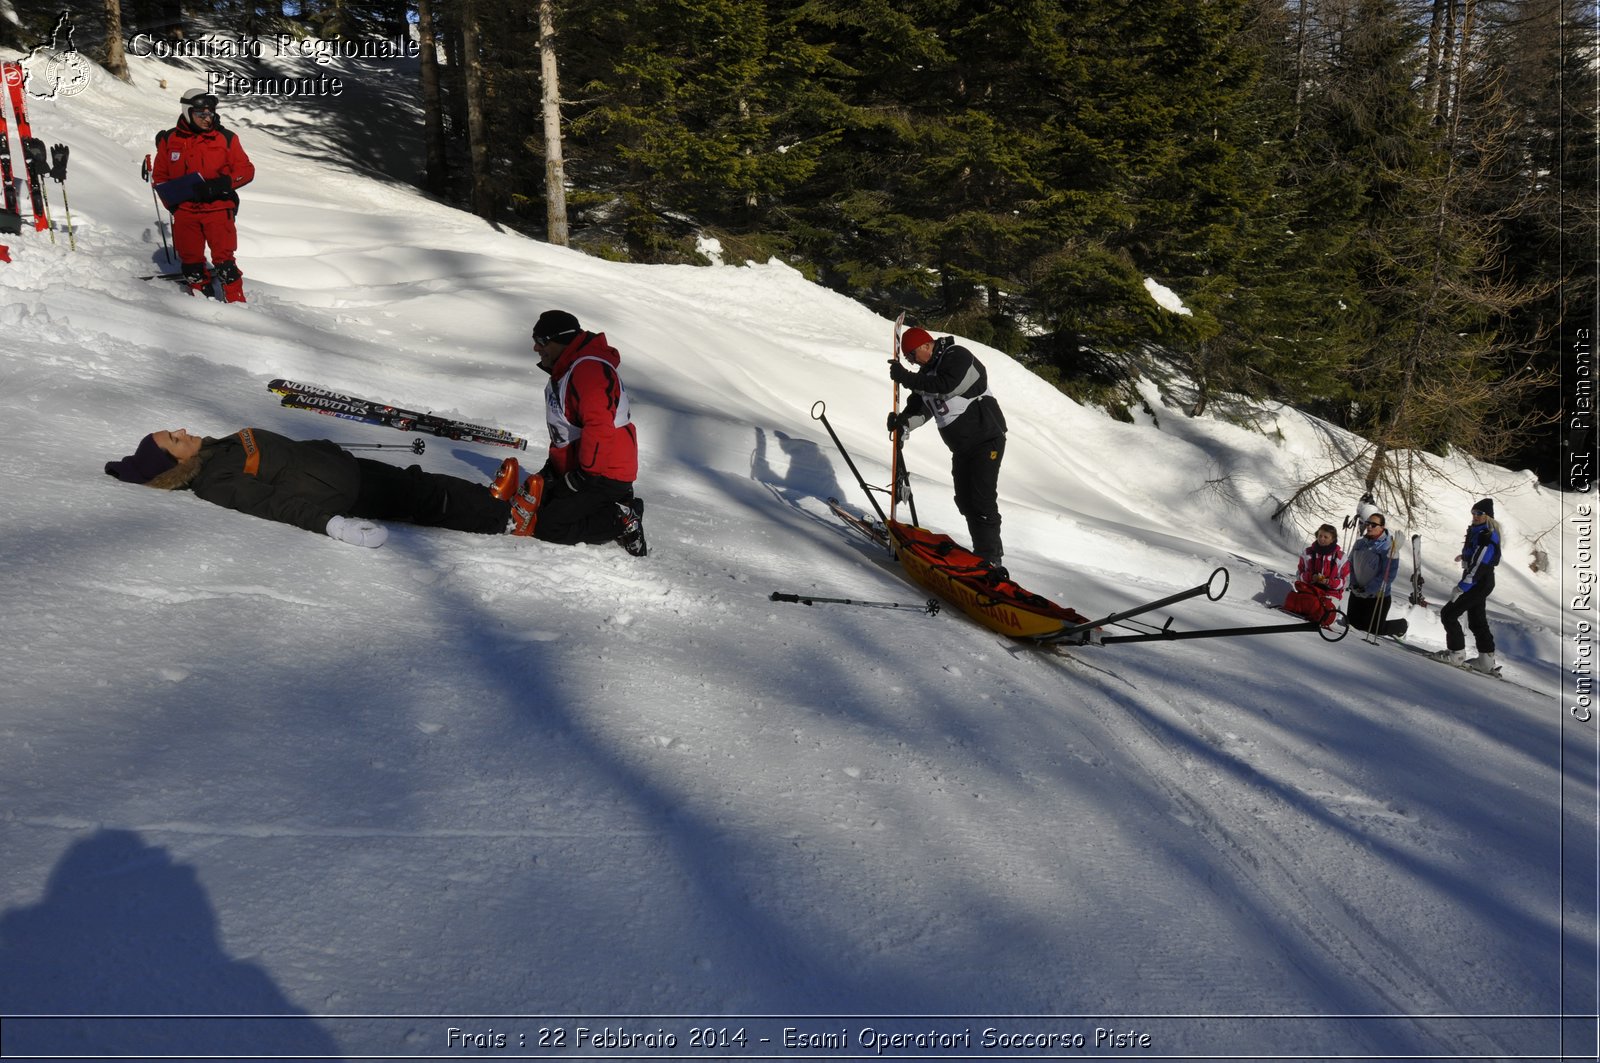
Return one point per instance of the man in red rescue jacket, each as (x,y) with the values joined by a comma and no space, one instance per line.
(584,493)
(199,145)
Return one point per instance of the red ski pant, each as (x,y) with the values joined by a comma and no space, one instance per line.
(192,230)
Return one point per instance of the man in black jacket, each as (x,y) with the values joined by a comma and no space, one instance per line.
(951,387)
(313,484)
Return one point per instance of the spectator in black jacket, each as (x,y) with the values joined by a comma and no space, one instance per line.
(951,387)
(313,484)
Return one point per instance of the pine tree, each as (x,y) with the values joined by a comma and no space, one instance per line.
(685,122)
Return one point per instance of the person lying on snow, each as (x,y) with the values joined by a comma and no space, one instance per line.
(1319,579)
(312,484)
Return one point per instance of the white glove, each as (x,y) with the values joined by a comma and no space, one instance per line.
(357,532)
(1458,592)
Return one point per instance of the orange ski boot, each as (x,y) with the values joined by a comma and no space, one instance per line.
(525,507)
(505,481)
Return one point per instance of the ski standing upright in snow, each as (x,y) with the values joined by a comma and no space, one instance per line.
(899,482)
(10,215)
(14,76)
(1416,571)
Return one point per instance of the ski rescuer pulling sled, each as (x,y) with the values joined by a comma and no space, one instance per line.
(951,387)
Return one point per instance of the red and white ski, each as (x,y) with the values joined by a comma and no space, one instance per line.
(14,216)
(13,75)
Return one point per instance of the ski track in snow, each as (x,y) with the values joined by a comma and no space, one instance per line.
(497,776)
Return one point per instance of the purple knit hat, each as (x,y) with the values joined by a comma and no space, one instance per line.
(143,465)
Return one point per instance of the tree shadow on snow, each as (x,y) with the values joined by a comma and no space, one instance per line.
(125,931)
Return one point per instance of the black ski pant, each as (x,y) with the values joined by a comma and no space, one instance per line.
(1475,604)
(588,515)
(1370,615)
(431,499)
(976,473)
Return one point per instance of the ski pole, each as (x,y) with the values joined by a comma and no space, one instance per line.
(1375,622)
(931,606)
(58,170)
(416,446)
(902,479)
(160,227)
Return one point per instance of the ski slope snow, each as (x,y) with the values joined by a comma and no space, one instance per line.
(470,783)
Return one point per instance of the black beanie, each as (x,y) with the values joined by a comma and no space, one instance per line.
(555,325)
(143,465)
(1484,506)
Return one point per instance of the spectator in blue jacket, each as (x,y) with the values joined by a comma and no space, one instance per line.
(1480,553)
(1368,579)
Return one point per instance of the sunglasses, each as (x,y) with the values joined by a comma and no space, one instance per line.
(1374,524)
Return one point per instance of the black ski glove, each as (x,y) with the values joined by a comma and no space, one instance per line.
(897,421)
(211,190)
(33,151)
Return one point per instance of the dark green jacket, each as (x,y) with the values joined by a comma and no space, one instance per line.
(267,475)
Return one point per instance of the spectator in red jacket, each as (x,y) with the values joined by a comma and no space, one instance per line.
(1319,581)
(199,145)
(584,492)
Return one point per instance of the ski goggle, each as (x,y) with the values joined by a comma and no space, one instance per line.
(203,105)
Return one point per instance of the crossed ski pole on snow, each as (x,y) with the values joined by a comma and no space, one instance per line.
(930,607)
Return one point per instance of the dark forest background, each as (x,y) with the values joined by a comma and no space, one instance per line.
(1380,211)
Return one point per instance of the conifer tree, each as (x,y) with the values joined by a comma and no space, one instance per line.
(687,119)
(1426,297)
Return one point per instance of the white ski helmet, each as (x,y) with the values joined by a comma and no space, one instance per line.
(195,100)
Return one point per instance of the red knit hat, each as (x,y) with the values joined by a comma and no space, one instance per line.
(912,338)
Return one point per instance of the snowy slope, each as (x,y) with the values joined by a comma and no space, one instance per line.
(249,770)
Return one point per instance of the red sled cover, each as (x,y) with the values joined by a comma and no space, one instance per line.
(1312,606)
(957,575)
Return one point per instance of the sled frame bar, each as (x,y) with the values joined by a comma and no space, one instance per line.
(1193,592)
(1167,635)
(1213,588)
(819,412)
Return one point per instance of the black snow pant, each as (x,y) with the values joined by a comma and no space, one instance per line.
(589,515)
(1474,603)
(431,499)
(976,473)
(1371,615)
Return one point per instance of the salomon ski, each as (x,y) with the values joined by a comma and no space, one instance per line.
(323,400)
